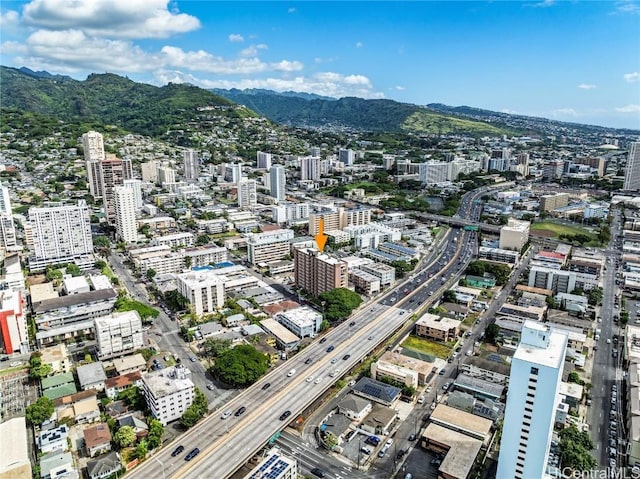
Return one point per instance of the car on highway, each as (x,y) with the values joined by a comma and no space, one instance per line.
(291,373)
(330,348)
(240,411)
(370,338)
(266,386)
(309,379)
(225,415)
(285,415)
(318,379)
(177,451)
(346,356)
(316,471)
(322,340)
(193,453)
(334,360)
(308,361)
(352,323)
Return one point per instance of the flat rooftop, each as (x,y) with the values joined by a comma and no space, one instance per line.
(462,450)
(464,421)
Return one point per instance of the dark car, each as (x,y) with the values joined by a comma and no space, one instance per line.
(285,415)
(266,386)
(412,437)
(401,454)
(323,340)
(316,471)
(177,451)
(352,323)
(308,361)
(330,348)
(240,411)
(193,453)
(346,356)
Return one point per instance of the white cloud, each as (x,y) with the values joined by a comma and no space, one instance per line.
(236,38)
(8,18)
(291,10)
(586,86)
(400,88)
(632,77)
(115,18)
(627,7)
(252,50)
(564,112)
(629,109)
(359,44)
(324,83)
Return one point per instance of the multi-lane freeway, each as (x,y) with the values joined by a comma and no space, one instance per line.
(254,416)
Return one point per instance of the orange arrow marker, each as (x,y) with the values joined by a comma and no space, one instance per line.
(321,238)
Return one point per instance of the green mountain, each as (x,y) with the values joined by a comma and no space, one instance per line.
(358,114)
(109,99)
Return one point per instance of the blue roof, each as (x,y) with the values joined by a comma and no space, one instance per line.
(399,248)
(376,389)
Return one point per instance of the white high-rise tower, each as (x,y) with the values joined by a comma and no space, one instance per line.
(632,172)
(536,372)
(191,166)
(125,214)
(93,145)
(278,181)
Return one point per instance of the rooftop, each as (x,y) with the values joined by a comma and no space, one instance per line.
(429,320)
(97,435)
(168,381)
(464,421)
(74,300)
(13,444)
(462,451)
(91,373)
(552,355)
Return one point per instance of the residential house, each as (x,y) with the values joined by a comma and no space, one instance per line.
(97,439)
(91,376)
(104,466)
(52,440)
(114,386)
(82,407)
(354,407)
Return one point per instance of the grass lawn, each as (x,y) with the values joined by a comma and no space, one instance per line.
(558,228)
(108,272)
(429,347)
(469,320)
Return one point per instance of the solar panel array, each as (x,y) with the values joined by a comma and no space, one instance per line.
(271,469)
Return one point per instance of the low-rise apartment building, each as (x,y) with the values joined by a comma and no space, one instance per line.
(168,392)
(204,290)
(437,328)
(119,334)
(303,321)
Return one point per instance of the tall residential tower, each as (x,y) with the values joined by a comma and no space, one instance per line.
(632,172)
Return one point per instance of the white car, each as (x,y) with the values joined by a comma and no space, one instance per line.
(309,379)
(468,353)
(317,381)
(291,373)
(389,442)
(225,415)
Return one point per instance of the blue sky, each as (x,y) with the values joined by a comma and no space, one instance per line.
(566,60)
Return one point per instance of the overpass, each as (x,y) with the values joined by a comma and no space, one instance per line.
(459,222)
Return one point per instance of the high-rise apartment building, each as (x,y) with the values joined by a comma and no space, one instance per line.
(93,145)
(60,234)
(514,235)
(166,175)
(118,334)
(310,168)
(136,187)
(13,323)
(269,246)
(7,226)
(168,392)
(433,172)
(150,171)
(338,219)
(263,160)
(316,272)
(112,174)
(204,290)
(191,166)
(278,182)
(346,156)
(632,172)
(536,372)
(247,193)
(125,214)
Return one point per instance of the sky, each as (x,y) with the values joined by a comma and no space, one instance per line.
(575,61)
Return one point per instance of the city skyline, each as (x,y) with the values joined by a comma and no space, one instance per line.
(568,61)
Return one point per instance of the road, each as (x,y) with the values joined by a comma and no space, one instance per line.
(605,372)
(225,444)
(166,335)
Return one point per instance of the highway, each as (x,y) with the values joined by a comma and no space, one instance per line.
(226,444)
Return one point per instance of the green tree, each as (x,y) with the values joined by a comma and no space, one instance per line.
(241,366)
(39,411)
(124,303)
(156,430)
(151,273)
(37,369)
(339,303)
(102,242)
(492,332)
(53,274)
(214,347)
(73,269)
(449,296)
(125,436)
(575,447)
(197,409)
(141,450)
(574,377)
